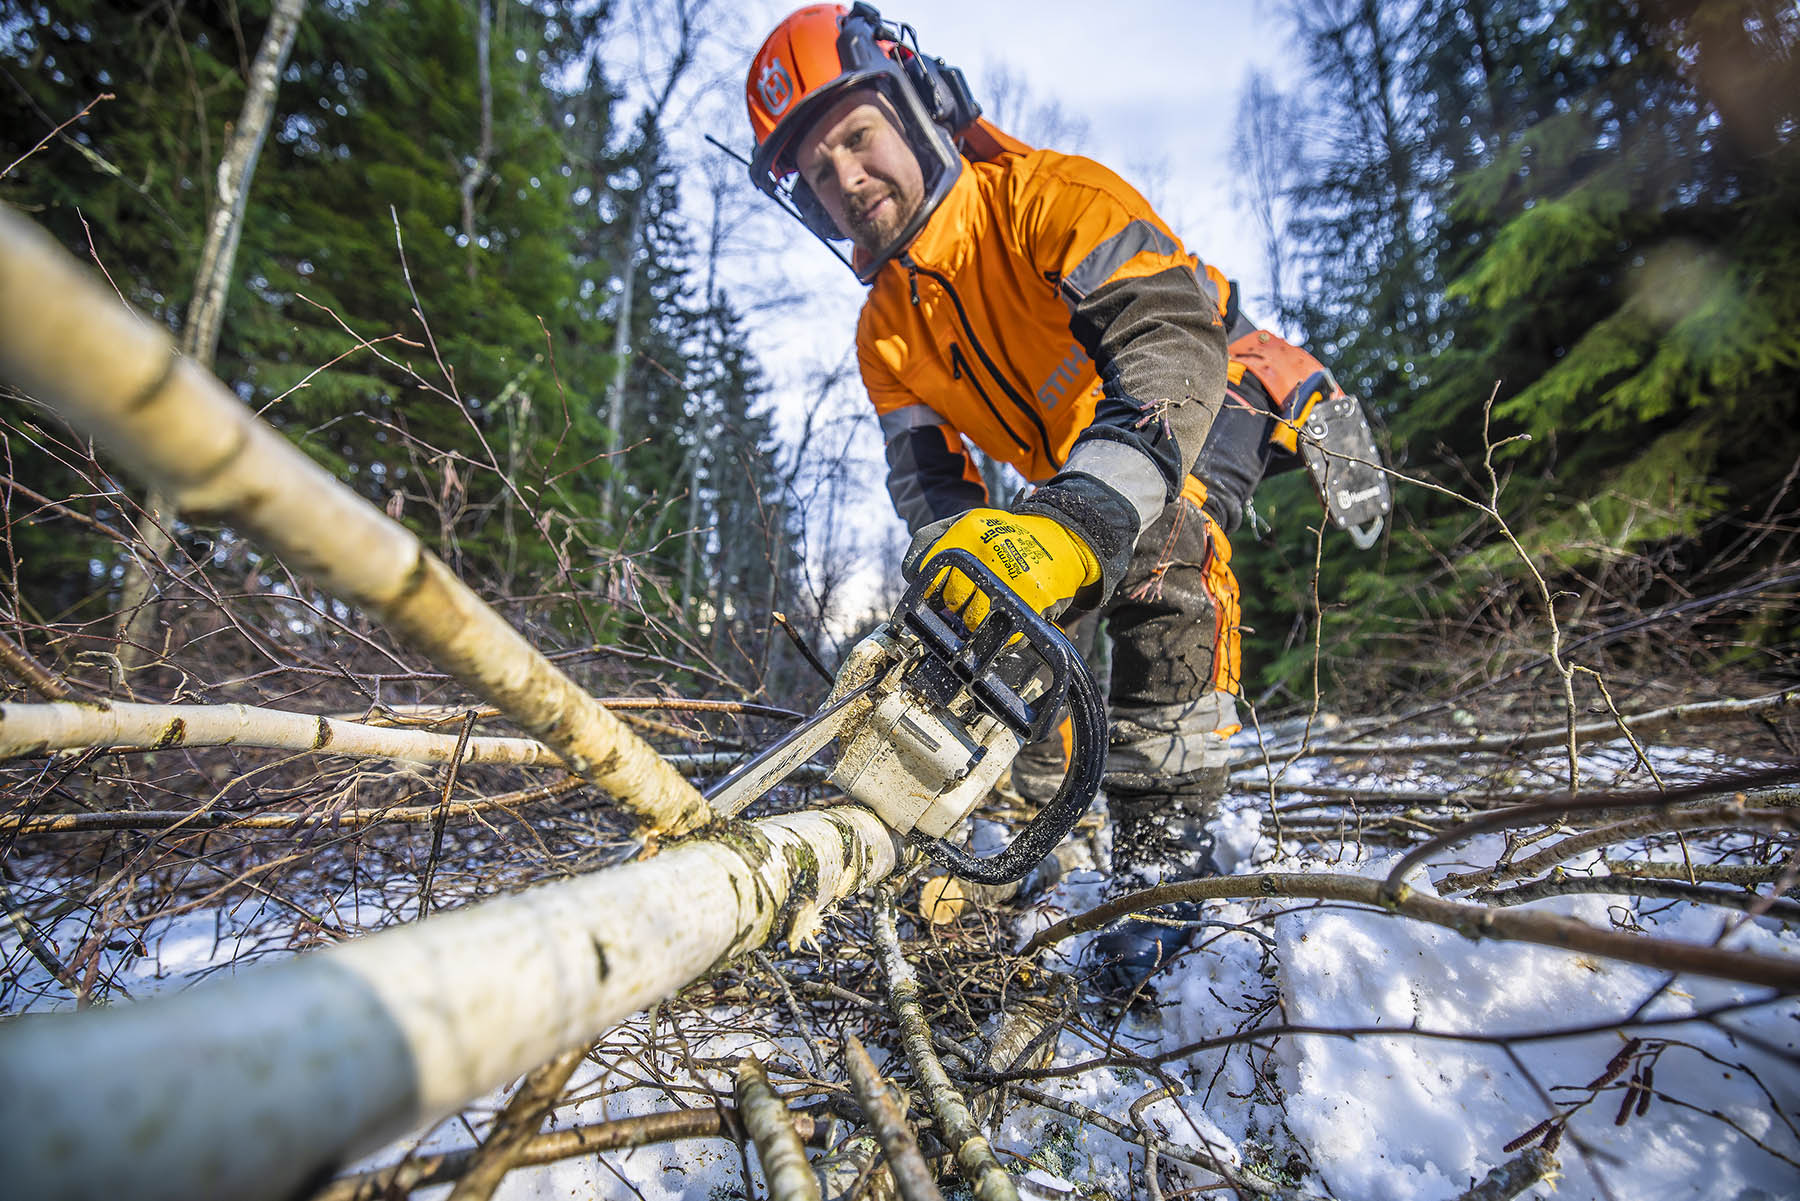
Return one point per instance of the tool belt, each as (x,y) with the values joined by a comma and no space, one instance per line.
(1314,421)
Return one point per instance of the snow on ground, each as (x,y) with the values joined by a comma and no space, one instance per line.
(1394,1117)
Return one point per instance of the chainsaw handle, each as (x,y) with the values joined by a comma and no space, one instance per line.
(955,661)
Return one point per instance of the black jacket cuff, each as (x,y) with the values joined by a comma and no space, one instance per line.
(1100,516)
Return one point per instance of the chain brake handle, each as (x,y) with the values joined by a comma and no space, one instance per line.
(956,660)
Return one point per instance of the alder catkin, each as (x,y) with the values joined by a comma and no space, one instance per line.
(1626,1102)
(1526,1137)
(1616,1064)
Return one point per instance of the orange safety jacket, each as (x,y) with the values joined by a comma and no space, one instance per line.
(1049,316)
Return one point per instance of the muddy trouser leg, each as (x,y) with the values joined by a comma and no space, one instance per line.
(1170,713)
(1173,628)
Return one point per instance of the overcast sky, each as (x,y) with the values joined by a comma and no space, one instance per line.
(1157,85)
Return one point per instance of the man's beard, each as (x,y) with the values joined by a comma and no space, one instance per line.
(872,231)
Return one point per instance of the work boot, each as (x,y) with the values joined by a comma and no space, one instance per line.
(1158,838)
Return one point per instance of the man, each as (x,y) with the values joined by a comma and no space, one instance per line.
(1032,304)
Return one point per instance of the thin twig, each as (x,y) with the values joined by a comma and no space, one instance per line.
(443,813)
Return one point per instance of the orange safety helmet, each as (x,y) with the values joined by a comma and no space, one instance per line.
(813,58)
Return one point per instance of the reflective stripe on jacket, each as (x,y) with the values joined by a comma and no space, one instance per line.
(1049,316)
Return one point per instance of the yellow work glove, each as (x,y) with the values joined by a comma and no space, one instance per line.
(1037,557)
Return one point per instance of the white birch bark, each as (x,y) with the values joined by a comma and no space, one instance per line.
(28,730)
(253,1086)
(237,166)
(117,378)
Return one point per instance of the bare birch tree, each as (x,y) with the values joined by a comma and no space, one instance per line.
(686,32)
(206,314)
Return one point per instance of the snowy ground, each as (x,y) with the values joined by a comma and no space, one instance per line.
(1395,1117)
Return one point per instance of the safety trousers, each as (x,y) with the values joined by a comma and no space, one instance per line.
(1173,629)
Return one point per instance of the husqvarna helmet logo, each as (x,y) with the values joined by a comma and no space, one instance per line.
(776,88)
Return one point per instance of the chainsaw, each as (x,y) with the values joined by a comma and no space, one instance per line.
(927,715)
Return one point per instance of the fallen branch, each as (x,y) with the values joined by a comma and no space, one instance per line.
(439,715)
(31,730)
(423,1171)
(36,676)
(1714,815)
(1237,1178)
(974,1157)
(1666,890)
(854,1171)
(771,1128)
(1642,725)
(1514,1176)
(1025,1038)
(1471,921)
(229,819)
(912,1179)
(1569,805)
(1266,1035)
(516,1126)
(1744,875)
(117,378)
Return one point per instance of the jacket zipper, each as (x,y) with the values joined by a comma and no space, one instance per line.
(913,270)
(960,365)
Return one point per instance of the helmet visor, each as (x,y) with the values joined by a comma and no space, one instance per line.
(773,168)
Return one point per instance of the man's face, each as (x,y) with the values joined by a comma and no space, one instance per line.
(859,166)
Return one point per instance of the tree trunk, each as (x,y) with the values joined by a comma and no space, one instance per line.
(478,168)
(374,1037)
(212,282)
(200,336)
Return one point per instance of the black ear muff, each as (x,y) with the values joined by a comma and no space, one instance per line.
(961,108)
(943,91)
(932,94)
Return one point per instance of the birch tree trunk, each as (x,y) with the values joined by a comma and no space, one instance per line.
(251,1086)
(477,171)
(686,38)
(206,313)
(212,283)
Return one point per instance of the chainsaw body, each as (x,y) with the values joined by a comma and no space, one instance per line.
(927,715)
(950,710)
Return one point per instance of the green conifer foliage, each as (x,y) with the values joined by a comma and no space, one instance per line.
(1607,225)
(425,292)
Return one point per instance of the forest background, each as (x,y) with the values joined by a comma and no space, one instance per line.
(476,258)
(478,283)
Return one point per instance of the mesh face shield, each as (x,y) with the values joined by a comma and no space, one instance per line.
(789,104)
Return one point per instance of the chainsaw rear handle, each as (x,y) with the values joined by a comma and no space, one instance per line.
(956,660)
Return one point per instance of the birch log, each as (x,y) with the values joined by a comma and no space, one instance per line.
(27,730)
(254,1086)
(114,376)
